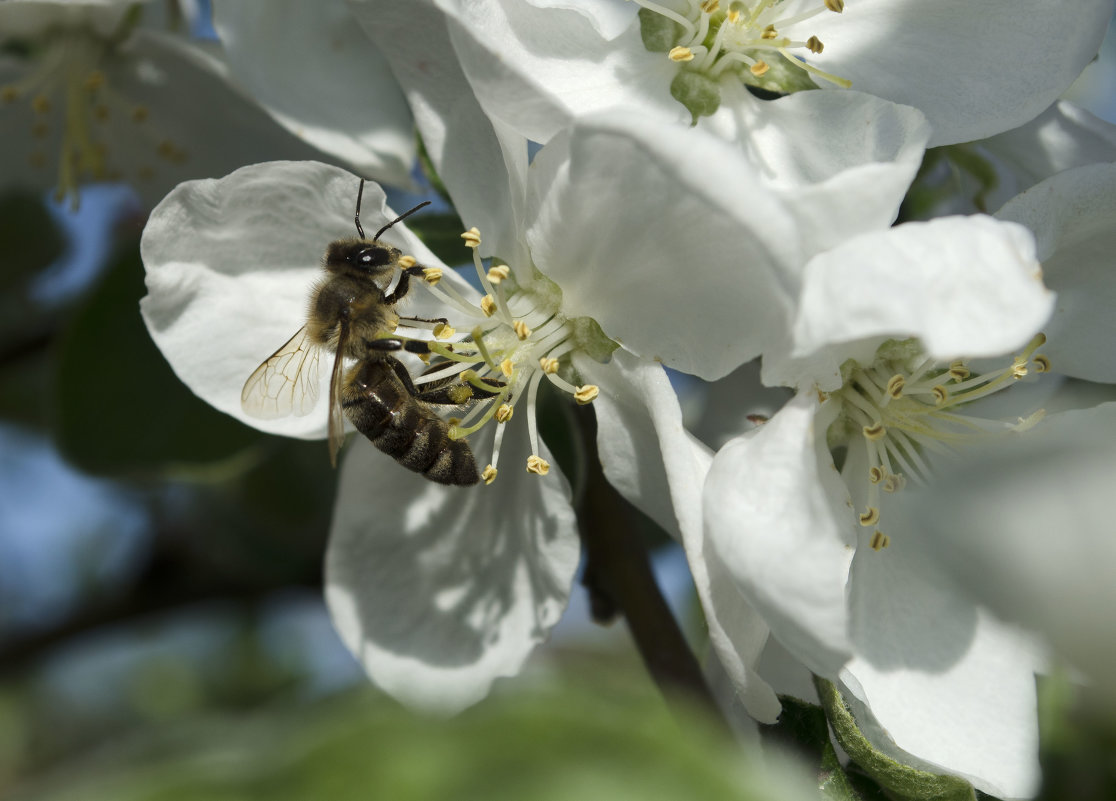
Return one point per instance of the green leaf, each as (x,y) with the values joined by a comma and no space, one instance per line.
(898,779)
(29,238)
(119,406)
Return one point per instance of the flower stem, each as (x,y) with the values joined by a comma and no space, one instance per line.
(619,581)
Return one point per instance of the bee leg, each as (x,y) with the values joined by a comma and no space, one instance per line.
(410,345)
(453,393)
(441,320)
(403,286)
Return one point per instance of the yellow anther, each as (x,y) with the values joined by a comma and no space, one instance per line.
(504,413)
(498,273)
(587,393)
(443,331)
(424,357)
(488,305)
(769,32)
(94,81)
(522,330)
(1041,363)
(870,517)
(40,104)
(407,262)
(876,474)
(432,275)
(894,483)
(733,16)
(879,541)
(537,465)
(814,45)
(759,68)
(710,6)
(472,238)
(895,386)
(489,475)
(680,54)
(507,368)
(875,432)
(940,393)
(9,94)
(958,371)
(1019,368)
(835,5)
(549,365)
(140,114)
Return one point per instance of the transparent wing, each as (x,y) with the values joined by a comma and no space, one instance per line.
(336,381)
(286,383)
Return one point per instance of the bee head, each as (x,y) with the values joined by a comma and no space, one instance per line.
(361,258)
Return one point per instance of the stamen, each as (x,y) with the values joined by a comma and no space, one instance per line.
(498,273)
(489,475)
(879,541)
(537,465)
(443,331)
(587,394)
(472,238)
(432,275)
(681,54)
(407,262)
(504,413)
(870,517)
(488,306)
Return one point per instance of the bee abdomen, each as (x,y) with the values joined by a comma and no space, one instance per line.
(380,407)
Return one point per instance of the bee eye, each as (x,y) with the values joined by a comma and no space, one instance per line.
(371,257)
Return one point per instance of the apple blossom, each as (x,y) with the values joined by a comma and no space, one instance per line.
(886,330)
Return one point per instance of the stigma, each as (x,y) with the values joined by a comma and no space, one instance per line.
(519,338)
(749,42)
(74,110)
(903,408)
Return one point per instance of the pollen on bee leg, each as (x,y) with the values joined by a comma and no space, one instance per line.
(879,541)
(489,475)
(407,262)
(432,275)
(869,517)
(444,331)
(680,54)
(587,394)
(472,238)
(537,465)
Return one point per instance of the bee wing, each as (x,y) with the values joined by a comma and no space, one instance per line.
(336,412)
(287,381)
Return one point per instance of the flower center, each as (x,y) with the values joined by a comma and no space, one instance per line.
(905,406)
(75,111)
(522,338)
(750,42)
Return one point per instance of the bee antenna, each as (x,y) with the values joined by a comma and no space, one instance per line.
(402,216)
(356,216)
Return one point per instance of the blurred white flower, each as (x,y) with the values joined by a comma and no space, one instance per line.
(799,513)
(540,64)
(87,93)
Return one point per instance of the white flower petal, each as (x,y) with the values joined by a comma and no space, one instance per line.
(230,267)
(658,466)
(947,683)
(1062,137)
(841,161)
(675,271)
(440,590)
(1026,52)
(966,286)
(539,69)
(609,18)
(482,163)
(1036,544)
(315,71)
(1071,216)
(771,503)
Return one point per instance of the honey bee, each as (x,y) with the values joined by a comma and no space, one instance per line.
(352,315)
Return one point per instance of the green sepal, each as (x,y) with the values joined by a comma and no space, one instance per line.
(901,781)
(660,34)
(700,94)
